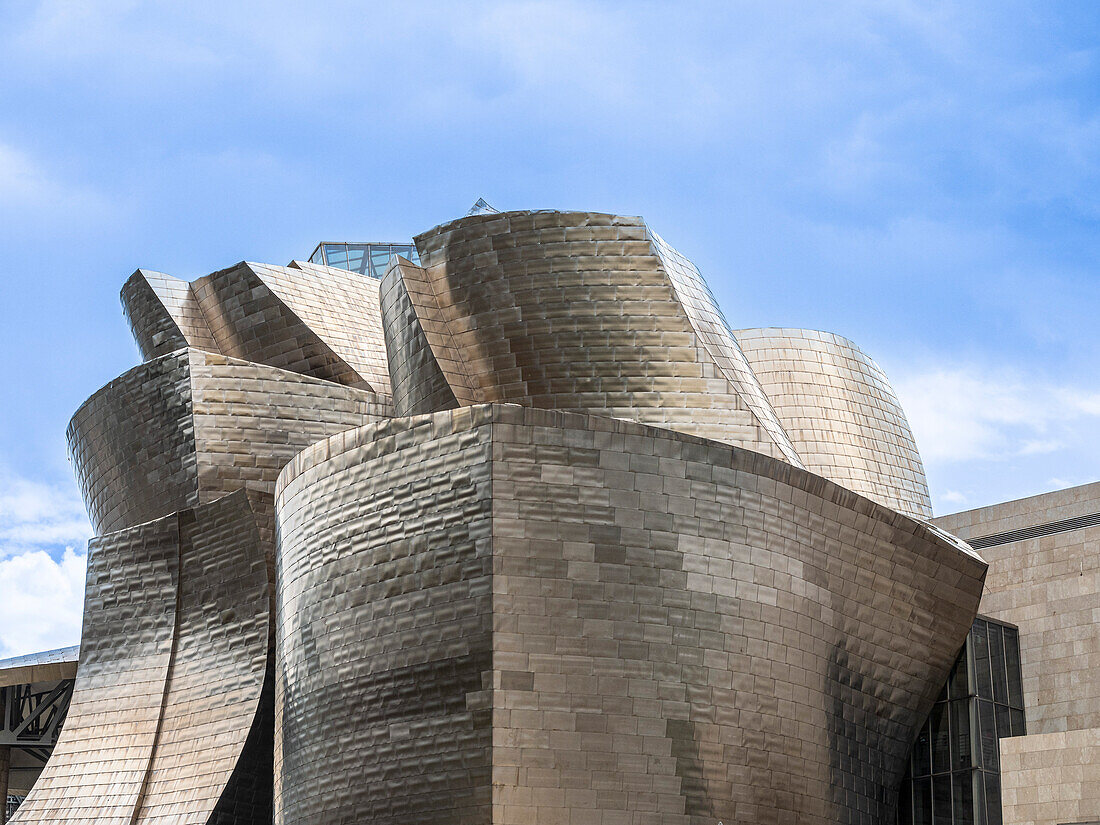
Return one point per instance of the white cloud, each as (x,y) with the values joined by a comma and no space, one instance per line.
(43,533)
(963,413)
(35,516)
(41,601)
(954,497)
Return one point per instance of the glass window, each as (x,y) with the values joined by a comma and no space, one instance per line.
(962,747)
(922,763)
(357,258)
(941,800)
(922,802)
(317,257)
(997,663)
(988,727)
(379,259)
(958,683)
(1019,726)
(963,784)
(1012,664)
(1004,721)
(941,738)
(982,678)
(905,802)
(336,254)
(993,797)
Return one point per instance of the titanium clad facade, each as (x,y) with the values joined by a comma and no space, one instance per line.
(191,426)
(841,413)
(172,665)
(513,534)
(635,619)
(577,311)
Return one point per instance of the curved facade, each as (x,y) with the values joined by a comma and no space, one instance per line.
(581,616)
(189,427)
(841,413)
(577,310)
(626,600)
(172,665)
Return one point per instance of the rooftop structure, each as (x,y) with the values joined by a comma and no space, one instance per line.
(365,258)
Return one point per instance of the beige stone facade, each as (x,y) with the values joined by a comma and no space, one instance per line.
(1044,576)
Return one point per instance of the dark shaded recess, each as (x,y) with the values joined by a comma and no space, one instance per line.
(864,777)
(248,798)
(430,700)
(689,767)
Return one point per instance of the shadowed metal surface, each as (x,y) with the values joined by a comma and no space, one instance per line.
(419,383)
(164,315)
(173,660)
(841,413)
(553,617)
(100,762)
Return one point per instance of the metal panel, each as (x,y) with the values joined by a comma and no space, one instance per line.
(646,623)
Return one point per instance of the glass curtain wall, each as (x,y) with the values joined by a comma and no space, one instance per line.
(365,258)
(954,773)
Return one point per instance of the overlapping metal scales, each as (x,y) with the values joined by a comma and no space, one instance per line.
(310,319)
(191,426)
(578,311)
(577,617)
(173,660)
(626,598)
(841,413)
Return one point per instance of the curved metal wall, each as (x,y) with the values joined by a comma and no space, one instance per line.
(554,617)
(192,426)
(419,384)
(172,663)
(841,413)
(576,310)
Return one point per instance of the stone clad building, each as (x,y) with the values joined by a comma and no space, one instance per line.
(510,525)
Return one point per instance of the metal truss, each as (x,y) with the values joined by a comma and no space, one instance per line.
(32,716)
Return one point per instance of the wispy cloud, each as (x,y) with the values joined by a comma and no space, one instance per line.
(26,186)
(39,517)
(964,413)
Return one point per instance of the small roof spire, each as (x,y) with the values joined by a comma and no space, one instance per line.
(482,207)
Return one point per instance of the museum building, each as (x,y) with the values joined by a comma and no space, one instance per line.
(511,525)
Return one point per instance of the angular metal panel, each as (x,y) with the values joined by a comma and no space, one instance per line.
(98,768)
(297,320)
(416,373)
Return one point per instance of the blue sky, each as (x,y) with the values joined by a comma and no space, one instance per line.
(923,178)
